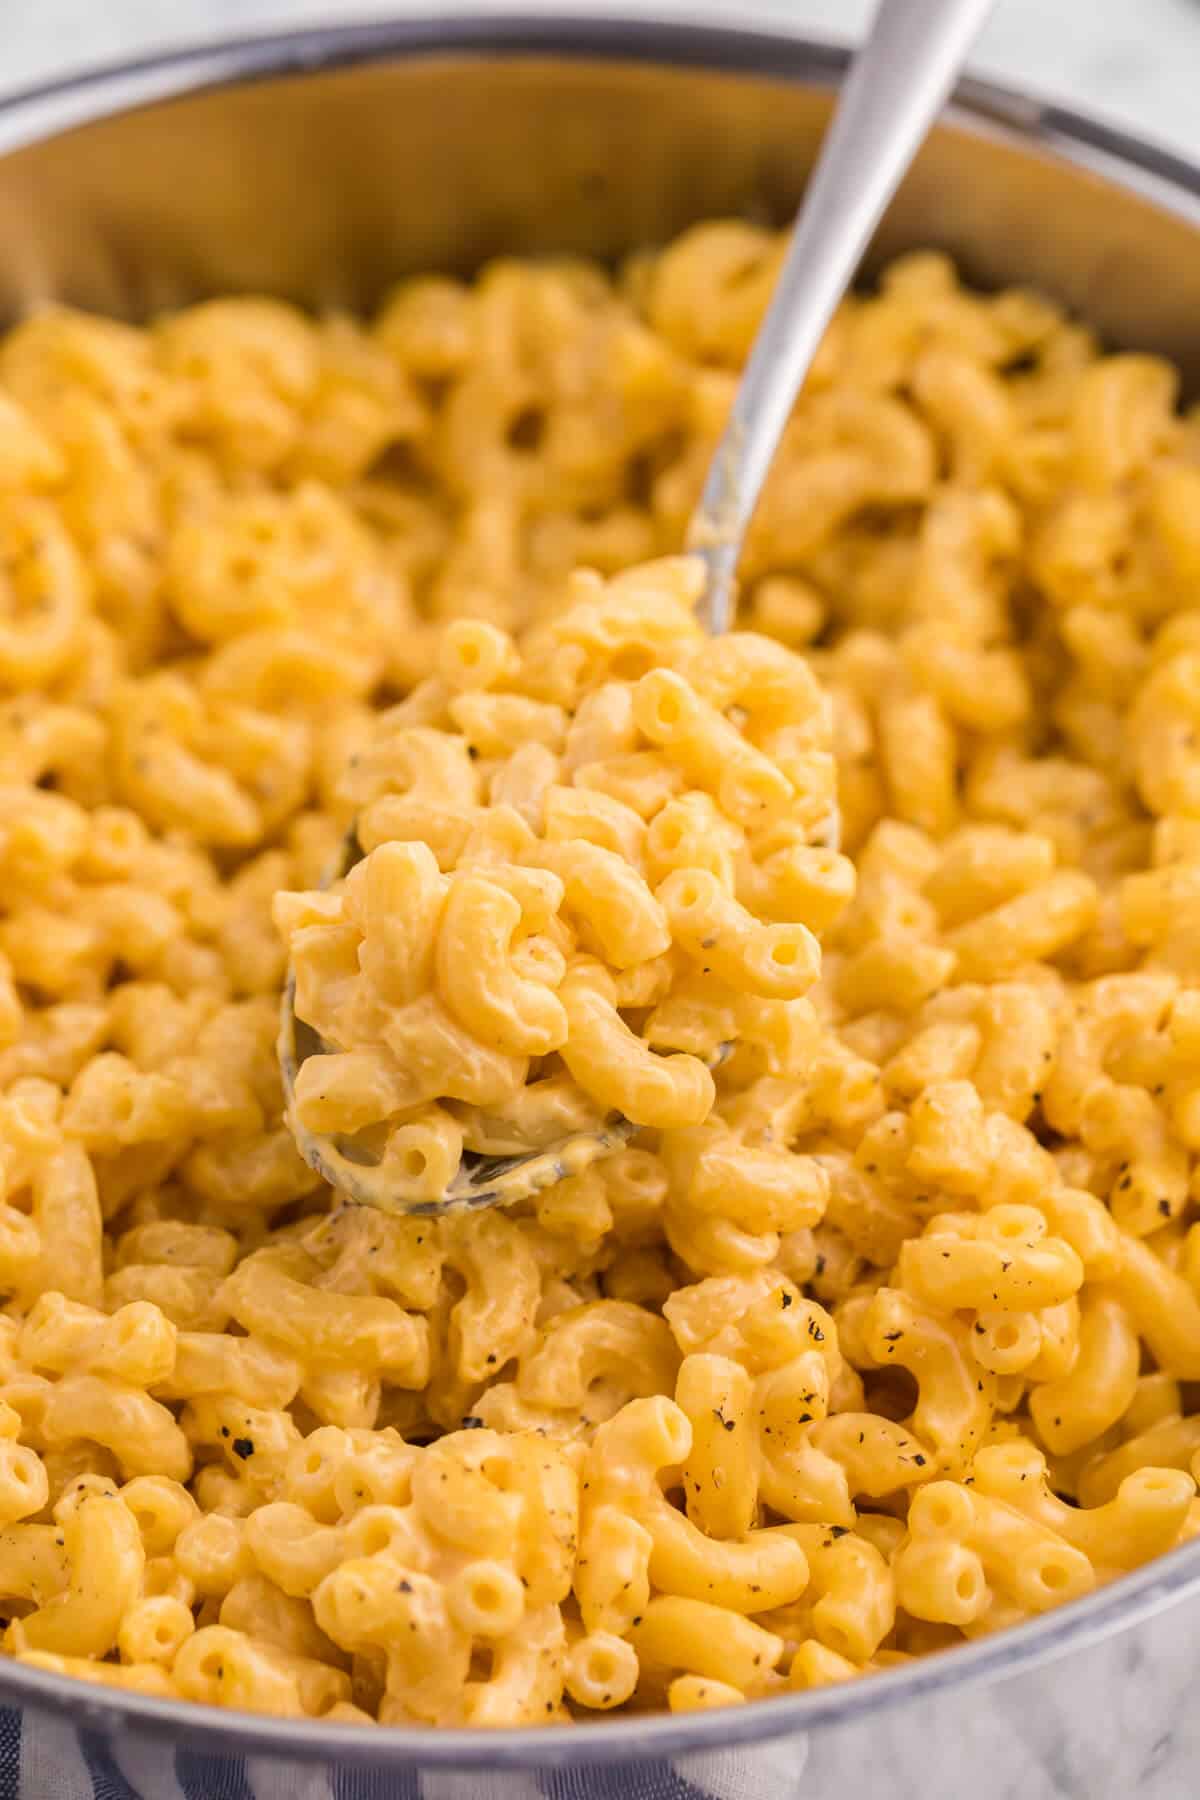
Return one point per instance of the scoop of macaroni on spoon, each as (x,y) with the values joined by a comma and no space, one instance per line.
(589,869)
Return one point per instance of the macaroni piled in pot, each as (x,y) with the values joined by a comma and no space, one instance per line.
(892,1345)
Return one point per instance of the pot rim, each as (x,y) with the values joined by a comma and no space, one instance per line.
(767,49)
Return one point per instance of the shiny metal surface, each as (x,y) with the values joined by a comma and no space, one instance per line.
(893,92)
(393,148)
(323,165)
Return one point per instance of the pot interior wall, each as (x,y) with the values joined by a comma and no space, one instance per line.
(326,186)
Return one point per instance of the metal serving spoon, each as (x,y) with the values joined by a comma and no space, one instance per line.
(893,93)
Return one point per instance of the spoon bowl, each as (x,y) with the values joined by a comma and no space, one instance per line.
(347,1164)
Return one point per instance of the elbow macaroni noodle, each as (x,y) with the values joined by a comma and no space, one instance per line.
(880,1333)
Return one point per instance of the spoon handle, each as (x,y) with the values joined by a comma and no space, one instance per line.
(891,97)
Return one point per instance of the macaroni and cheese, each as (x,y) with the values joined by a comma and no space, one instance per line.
(578,860)
(881,1331)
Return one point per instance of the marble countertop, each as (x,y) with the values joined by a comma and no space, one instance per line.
(1134,60)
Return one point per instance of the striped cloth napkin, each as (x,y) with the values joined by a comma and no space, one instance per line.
(49,1758)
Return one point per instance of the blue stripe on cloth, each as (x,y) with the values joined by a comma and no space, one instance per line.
(210,1777)
(620,1781)
(10,1753)
(108,1783)
(350,1783)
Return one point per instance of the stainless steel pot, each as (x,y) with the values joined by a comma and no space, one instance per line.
(321,165)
